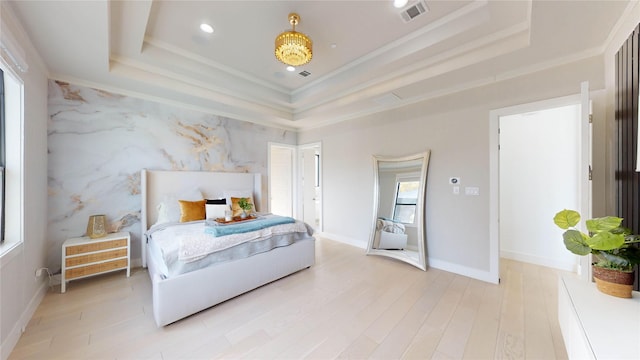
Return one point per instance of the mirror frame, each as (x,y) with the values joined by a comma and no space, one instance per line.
(421,262)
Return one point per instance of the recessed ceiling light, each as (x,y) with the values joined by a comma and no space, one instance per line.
(206,28)
(291,68)
(400,3)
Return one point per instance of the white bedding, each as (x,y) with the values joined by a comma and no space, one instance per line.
(179,248)
(179,291)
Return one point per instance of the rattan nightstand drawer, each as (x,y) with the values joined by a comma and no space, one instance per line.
(95,269)
(96,257)
(85,248)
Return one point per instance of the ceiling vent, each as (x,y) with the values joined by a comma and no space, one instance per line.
(411,12)
(304,73)
(387,99)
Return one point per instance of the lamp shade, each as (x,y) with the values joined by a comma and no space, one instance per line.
(97,226)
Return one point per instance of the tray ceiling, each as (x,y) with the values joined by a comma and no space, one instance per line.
(366,57)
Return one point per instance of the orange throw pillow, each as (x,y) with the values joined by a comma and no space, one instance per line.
(192,210)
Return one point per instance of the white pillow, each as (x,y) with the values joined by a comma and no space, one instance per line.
(169,208)
(215,211)
(228,194)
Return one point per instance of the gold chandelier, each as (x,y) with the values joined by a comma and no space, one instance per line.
(292,47)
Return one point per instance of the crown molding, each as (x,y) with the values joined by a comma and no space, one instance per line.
(150,43)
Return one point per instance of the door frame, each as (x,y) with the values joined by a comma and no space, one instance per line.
(494,170)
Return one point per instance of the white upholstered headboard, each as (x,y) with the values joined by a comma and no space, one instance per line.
(157,183)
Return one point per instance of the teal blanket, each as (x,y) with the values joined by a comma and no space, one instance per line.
(215,229)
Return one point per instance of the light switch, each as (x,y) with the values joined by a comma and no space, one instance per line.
(456,190)
(472,190)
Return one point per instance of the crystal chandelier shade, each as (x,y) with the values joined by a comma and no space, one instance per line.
(293,48)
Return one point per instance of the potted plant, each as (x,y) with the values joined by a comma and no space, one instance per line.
(612,247)
(245,205)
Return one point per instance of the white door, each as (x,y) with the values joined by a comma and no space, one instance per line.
(310,184)
(586,159)
(281,164)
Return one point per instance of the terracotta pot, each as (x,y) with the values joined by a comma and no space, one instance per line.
(614,282)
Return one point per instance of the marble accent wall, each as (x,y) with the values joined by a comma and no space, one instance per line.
(99,141)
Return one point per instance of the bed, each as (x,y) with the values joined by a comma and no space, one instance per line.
(176,296)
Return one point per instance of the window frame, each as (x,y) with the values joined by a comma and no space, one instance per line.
(406,178)
(13,214)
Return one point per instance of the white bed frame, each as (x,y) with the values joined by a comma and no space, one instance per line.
(178,297)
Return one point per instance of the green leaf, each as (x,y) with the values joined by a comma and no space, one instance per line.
(606,241)
(575,242)
(615,259)
(606,223)
(566,219)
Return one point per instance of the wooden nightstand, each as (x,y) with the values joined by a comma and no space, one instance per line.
(83,256)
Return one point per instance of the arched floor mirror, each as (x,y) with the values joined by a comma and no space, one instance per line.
(398,226)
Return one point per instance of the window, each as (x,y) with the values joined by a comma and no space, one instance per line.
(12,63)
(11,161)
(406,200)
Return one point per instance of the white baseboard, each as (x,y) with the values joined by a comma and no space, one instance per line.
(537,260)
(14,335)
(462,270)
(434,263)
(343,239)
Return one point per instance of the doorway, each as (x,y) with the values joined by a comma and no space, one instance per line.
(295,182)
(538,177)
(539,164)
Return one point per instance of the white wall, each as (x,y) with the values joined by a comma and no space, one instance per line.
(456,129)
(387,181)
(20,293)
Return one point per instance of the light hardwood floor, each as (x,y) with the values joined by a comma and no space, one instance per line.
(346,306)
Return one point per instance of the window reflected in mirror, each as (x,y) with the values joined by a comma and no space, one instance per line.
(406,201)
